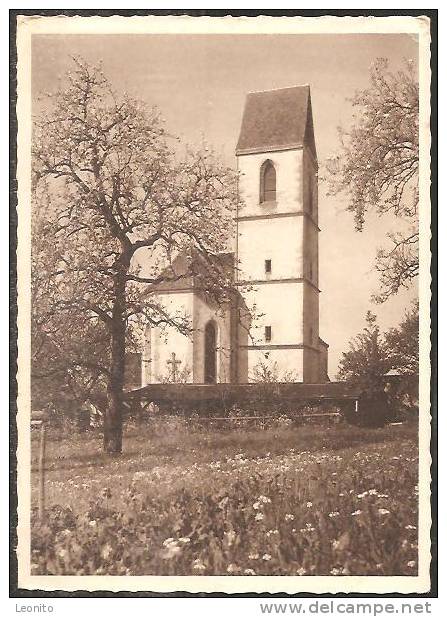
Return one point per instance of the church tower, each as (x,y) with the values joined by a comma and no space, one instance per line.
(277,236)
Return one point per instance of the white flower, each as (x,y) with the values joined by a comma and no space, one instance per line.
(230,536)
(333,514)
(259,516)
(383,511)
(92,523)
(253,556)
(198,565)
(309,504)
(289,517)
(356,513)
(266,557)
(106,551)
(184,540)
(171,551)
(233,568)
(256,505)
(411,564)
(249,571)
(410,527)
(336,571)
(264,499)
(169,541)
(301,571)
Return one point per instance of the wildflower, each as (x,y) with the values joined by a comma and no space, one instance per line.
(383,511)
(92,523)
(256,505)
(382,496)
(171,551)
(333,514)
(249,571)
(259,516)
(106,551)
(356,513)
(309,504)
(272,532)
(289,517)
(184,540)
(168,541)
(411,564)
(264,499)
(266,557)
(361,495)
(232,568)
(253,556)
(336,571)
(301,571)
(198,565)
(230,536)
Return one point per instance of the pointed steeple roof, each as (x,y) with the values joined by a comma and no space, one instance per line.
(277,120)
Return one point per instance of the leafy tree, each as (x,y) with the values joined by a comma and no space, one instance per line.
(403,343)
(368,359)
(378,168)
(117,197)
(372,355)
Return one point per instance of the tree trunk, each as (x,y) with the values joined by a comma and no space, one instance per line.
(113,420)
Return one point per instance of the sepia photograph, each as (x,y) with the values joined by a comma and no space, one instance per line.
(224,304)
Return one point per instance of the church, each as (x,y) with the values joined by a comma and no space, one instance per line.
(272,319)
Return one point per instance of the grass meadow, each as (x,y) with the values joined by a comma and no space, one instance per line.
(182,500)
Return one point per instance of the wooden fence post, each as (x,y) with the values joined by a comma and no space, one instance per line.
(42,472)
(39,418)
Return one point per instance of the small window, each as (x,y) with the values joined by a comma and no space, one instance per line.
(268,182)
(268,333)
(268,266)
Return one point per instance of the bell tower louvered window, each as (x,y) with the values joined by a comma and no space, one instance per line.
(268,182)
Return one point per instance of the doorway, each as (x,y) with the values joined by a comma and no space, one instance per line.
(210,352)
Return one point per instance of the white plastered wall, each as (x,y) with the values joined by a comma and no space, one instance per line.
(160,342)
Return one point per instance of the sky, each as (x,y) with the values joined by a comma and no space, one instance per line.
(199,83)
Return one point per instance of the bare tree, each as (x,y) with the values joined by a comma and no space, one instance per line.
(378,168)
(120,198)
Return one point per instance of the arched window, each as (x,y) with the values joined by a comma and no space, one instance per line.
(268,182)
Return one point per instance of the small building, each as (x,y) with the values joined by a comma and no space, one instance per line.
(274,269)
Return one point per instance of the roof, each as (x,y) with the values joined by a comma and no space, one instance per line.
(188,271)
(277,120)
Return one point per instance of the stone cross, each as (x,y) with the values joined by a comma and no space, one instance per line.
(173,362)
